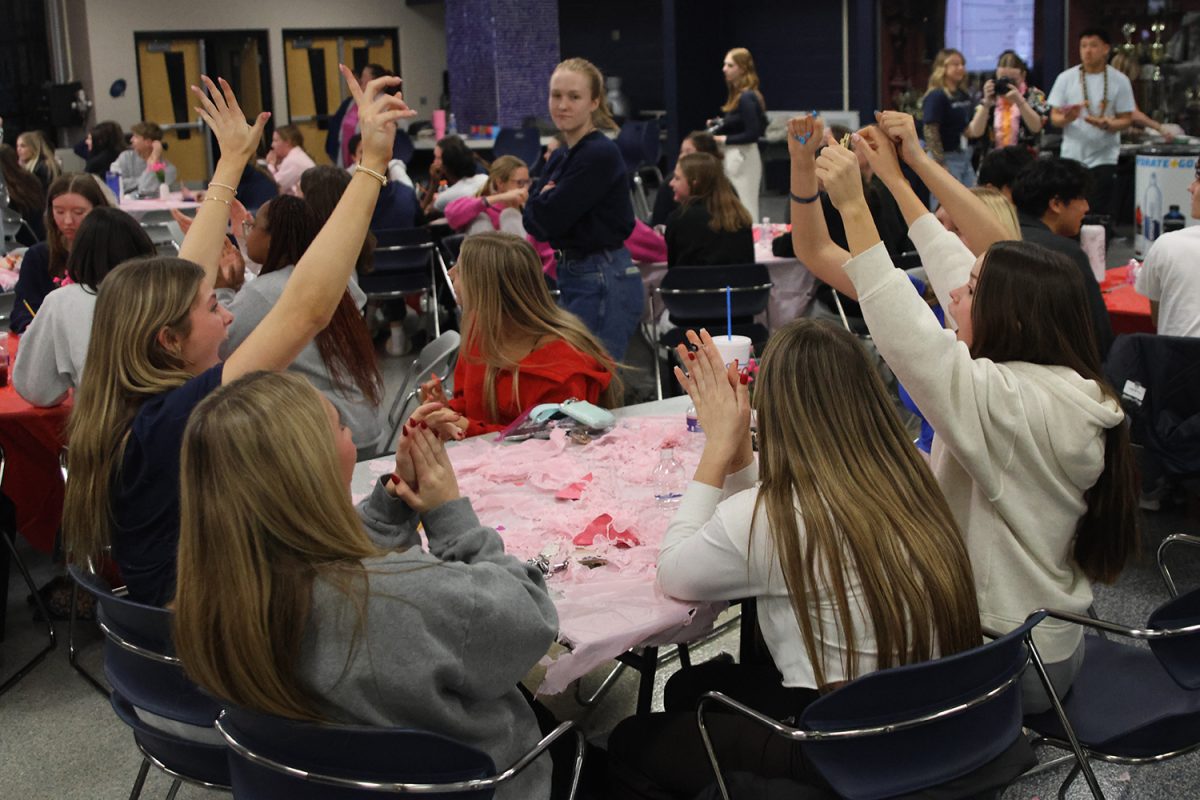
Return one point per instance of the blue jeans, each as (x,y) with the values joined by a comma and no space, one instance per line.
(604,290)
(959,165)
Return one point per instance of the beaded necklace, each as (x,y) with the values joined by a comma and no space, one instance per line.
(1088,103)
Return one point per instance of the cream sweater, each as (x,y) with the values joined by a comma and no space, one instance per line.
(1017,444)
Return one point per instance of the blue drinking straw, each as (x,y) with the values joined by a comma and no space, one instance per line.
(729,312)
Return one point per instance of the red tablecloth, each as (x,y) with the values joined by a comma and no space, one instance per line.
(32,438)
(1128,311)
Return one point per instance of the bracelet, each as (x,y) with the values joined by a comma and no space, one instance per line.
(219,200)
(383,181)
(222,186)
(805,200)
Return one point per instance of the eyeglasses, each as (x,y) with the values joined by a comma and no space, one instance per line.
(247,226)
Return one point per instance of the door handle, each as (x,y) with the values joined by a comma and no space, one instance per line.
(176,126)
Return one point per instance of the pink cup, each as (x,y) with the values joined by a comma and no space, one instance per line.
(439,124)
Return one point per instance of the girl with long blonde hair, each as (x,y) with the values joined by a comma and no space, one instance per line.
(946,111)
(838,529)
(159,355)
(581,207)
(744,122)
(520,349)
(37,155)
(711,226)
(294,603)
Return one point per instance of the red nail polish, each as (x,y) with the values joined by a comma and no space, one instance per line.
(744,379)
(424,426)
(691,356)
(404,430)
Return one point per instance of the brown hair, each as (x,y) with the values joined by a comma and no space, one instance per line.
(127,365)
(345,345)
(708,184)
(507,296)
(602,117)
(748,82)
(704,142)
(1010,60)
(1030,306)
(818,454)
(25,192)
(240,637)
(147,130)
(291,134)
(501,171)
(82,184)
(322,187)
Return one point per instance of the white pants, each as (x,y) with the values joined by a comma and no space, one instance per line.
(743,166)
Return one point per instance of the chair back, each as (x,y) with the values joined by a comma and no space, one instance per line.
(524,143)
(697,294)
(403,148)
(438,358)
(1179,655)
(936,721)
(651,143)
(451,246)
(275,757)
(631,142)
(402,263)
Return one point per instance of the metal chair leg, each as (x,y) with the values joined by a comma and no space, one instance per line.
(605,685)
(140,780)
(73,651)
(1081,758)
(8,537)
(1070,779)
(174,789)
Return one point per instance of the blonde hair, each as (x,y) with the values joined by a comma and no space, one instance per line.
(747,82)
(43,153)
(248,552)
(708,184)
(602,117)
(126,366)
(832,447)
(501,171)
(937,77)
(507,296)
(1002,207)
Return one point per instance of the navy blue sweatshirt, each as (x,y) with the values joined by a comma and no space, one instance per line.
(33,284)
(588,208)
(746,123)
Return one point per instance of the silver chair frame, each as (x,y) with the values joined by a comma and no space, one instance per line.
(474,785)
(439,364)
(652,329)
(15,555)
(1161,556)
(799,735)
(435,263)
(1081,751)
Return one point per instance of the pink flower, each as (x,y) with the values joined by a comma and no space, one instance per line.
(158,166)
(65,280)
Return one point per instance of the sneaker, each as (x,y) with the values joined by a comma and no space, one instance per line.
(397,345)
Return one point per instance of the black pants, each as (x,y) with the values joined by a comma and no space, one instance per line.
(663,756)
(1102,198)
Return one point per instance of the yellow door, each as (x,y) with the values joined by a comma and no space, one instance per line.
(314,87)
(166,68)
(378,47)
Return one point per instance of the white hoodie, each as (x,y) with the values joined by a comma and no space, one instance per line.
(1016,445)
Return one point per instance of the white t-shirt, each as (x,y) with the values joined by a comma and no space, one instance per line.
(467,187)
(1082,140)
(1170,277)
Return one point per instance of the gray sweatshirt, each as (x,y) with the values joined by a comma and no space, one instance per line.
(54,346)
(132,168)
(445,638)
(251,304)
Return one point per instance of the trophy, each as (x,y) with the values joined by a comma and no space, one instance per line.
(1129,48)
(1158,50)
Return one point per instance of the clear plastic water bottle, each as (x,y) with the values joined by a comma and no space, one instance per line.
(451,125)
(693,422)
(669,478)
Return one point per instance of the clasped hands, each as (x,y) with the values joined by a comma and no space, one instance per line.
(424,477)
(722,399)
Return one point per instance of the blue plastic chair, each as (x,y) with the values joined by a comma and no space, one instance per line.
(903,730)
(524,143)
(171,719)
(1129,705)
(275,757)
(406,261)
(403,148)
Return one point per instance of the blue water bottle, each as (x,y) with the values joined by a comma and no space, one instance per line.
(113,181)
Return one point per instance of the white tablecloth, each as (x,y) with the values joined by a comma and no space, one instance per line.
(603,611)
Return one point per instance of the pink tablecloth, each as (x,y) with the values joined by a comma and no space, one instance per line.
(603,611)
(134,205)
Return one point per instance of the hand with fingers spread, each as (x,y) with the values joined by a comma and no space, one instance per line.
(722,401)
(434,482)
(838,171)
(902,130)
(378,113)
(806,133)
(446,422)
(220,111)
(881,154)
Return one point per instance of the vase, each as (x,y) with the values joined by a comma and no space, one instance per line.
(164,191)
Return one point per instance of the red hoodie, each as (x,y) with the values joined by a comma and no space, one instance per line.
(550,374)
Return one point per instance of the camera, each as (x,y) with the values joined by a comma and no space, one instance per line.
(1002,86)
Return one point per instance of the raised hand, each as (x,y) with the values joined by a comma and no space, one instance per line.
(838,171)
(220,111)
(231,269)
(880,153)
(805,135)
(434,482)
(378,113)
(432,391)
(721,398)
(902,130)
